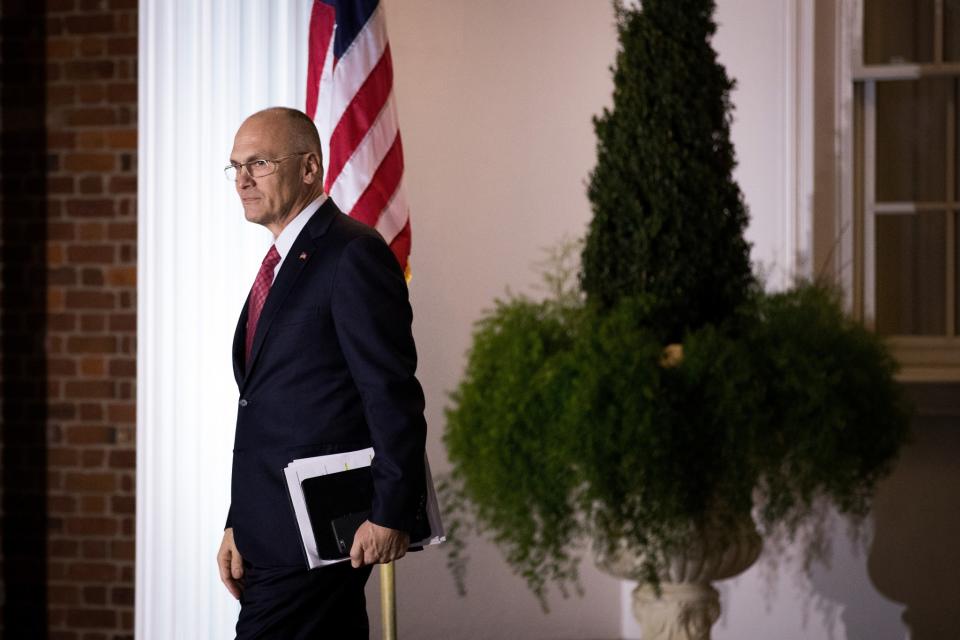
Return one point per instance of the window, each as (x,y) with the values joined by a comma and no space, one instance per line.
(902,79)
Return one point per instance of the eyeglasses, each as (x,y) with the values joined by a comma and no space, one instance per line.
(257,168)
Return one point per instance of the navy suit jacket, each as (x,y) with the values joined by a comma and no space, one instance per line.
(331,369)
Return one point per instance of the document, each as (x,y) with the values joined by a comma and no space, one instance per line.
(332,494)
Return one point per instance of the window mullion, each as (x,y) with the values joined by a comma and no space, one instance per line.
(869,202)
(951,266)
(938,32)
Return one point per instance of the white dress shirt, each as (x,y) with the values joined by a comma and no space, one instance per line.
(284,241)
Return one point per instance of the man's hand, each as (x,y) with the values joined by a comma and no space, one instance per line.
(230,564)
(373,543)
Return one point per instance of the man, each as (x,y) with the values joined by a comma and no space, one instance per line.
(324,359)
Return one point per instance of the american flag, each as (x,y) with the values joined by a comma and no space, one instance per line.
(350,98)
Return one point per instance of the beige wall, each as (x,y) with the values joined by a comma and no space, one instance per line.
(495,100)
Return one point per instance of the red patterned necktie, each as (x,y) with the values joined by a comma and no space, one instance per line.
(258,295)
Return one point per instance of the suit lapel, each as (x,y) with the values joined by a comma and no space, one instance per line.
(293,264)
(239,371)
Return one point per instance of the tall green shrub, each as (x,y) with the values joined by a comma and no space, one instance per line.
(668,218)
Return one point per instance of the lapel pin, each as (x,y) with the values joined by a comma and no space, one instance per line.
(303,255)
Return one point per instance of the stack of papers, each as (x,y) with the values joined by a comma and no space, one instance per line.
(305,468)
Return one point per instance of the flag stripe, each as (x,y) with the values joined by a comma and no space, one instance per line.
(355,176)
(382,186)
(394,217)
(322,20)
(359,116)
(401,245)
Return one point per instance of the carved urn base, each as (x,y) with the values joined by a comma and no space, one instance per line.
(686,606)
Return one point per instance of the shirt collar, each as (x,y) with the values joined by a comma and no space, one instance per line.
(290,232)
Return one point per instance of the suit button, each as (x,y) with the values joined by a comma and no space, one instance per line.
(243,402)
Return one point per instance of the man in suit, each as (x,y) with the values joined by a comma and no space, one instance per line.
(324,360)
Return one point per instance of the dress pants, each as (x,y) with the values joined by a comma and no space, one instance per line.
(291,603)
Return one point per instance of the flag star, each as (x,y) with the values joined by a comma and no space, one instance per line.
(303,255)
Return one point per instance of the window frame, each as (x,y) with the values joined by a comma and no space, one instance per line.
(922,358)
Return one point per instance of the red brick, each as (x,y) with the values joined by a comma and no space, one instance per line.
(89,162)
(123,322)
(61,322)
(58,96)
(122,413)
(123,368)
(122,231)
(123,505)
(122,596)
(61,231)
(62,457)
(89,389)
(60,184)
(123,550)
(90,139)
(121,138)
(93,458)
(61,48)
(61,276)
(90,184)
(92,277)
(93,323)
(90,300)
(60,505)
(91,411)
(92,46)
(123,459)
(122,277)
(91,253)
(122,46)
(93,231)
(99,208)
(102,23)
(94,595)
(95,367)
(99,116)
(97,482)
(59,140)
(94,506)
(63,594)
(123,4)
(123,184)
(91,434)
(54,253)
(89,70)
(90,93)
(93,526)
(89,618)
(91,344)
(122,92)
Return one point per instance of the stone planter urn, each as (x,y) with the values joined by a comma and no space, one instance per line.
(687,605)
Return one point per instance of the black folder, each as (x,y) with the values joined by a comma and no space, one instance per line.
(331,499)
(338,503)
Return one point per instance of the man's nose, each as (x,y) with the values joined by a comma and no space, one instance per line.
(243,178)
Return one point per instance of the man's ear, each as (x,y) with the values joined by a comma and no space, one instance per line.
(313,169)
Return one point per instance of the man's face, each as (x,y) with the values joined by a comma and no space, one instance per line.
(268,200)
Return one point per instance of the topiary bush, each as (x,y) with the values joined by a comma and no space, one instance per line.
(571,425)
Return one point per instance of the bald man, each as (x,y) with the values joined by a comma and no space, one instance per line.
(324,359)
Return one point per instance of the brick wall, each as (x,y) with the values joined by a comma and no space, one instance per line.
(88,319)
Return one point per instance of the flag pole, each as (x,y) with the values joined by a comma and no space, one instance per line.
(388,601)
